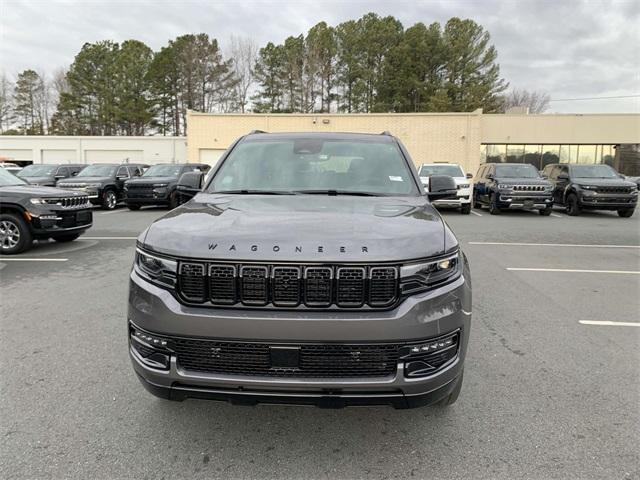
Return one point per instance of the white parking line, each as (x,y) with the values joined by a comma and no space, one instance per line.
(569,270)
(609,324)
(110,238)
(476,213)
(556,215)
(113,211)
(518,244)
(2,259)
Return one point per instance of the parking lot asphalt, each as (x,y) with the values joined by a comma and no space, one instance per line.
(546,394)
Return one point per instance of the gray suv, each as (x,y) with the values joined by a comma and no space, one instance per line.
(310,269)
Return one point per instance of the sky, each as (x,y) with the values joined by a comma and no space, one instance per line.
(570,49)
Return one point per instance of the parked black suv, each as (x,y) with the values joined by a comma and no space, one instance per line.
(104,182)
(591,187)
(512,185)
(158,185)
(46,175)
(312,269)
(29,212)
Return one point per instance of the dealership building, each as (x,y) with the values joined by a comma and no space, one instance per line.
(466,138)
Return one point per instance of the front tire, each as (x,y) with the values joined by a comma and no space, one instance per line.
(626,212)
(15,236)
(573,207)
(173,200)
(109,200)
(545,212)
(493,205)
(66,238)
(465,209)
(133,206)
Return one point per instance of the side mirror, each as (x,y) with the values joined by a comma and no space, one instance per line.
(189,184)
(469,176)
(490,176)
(563,176)
(442,187)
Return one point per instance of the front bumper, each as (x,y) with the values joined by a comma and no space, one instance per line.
(147,196)
(525,200)
(419,317)
(50,223)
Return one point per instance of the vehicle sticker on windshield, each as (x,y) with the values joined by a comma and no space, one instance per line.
(395,179)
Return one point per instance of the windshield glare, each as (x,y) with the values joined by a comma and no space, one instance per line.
(37,171)
(97,171)
(450,170)
(308,164)
(516,171)
(163,171)
(7,179)
(593,171)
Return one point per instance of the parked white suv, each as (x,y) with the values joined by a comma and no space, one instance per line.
(463,200)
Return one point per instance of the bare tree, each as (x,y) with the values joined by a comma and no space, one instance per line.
(244,53)
(6,103)
(534,101)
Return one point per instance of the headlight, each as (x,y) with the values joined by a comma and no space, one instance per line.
(504,186)
(157,269)
(37,201)
(463,185)
(588,187)
(94,185)
(160,184)
(419,277)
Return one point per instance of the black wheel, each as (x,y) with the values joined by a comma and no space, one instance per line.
(109,200)
(476,202)
(66,238)
(15,236)
(465,209)
(453,396)
(573,207)
(545,212)
(133,206)
(173,200)
(626,212)
(493,205)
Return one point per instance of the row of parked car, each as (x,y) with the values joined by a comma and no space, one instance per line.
(503,186)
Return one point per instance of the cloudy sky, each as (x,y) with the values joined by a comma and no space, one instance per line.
(570,49)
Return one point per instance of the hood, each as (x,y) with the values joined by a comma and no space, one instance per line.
(604,182)
(299,228)
(522,181)
(38,180)
(85,180)
(34,191)
(149,180)
(458,180)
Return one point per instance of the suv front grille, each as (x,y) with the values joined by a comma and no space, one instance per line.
(68,202)
(528,188)
(622,190)
(288,285)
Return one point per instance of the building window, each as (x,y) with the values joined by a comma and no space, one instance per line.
(587,154)
(550,154)
(496,153)
(532,155)
(515,153)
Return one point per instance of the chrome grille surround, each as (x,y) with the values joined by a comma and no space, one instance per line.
(68,202)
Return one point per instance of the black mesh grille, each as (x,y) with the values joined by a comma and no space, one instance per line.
(613,190)
(318,282)
(286,285)
(351,287)
(529,188)
(315,360)
(382,286)
(254,285)
(222,284)
(192,281)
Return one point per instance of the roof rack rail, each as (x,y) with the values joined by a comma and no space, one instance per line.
(387,133)
(252,132)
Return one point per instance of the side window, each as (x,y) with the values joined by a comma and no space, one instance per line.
(480,173)
(122,171)
(134,172)
(74,171)
(63,171)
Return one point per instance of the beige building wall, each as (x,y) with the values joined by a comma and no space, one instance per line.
(444,137)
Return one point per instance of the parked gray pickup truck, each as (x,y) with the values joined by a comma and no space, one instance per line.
(310,269)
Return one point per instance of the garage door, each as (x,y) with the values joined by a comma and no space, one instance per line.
(210,155)
(59,156)
(113,156)
(16,154)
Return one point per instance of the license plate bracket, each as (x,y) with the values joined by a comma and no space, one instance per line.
(284,357)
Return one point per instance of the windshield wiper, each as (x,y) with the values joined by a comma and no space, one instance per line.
(255,192)
(339,192)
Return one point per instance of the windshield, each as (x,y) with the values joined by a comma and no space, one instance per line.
(593,171)
(516,171)
(315,165)
(37,171)
(7,179)
(163,171)
(97,171)
(451,170)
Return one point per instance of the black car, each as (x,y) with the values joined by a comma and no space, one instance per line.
(512,185)
(158,185)
(30,213)
(591,187)
(47,175)
(104,183)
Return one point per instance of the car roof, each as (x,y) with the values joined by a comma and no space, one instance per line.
(439,163)
(376,137)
